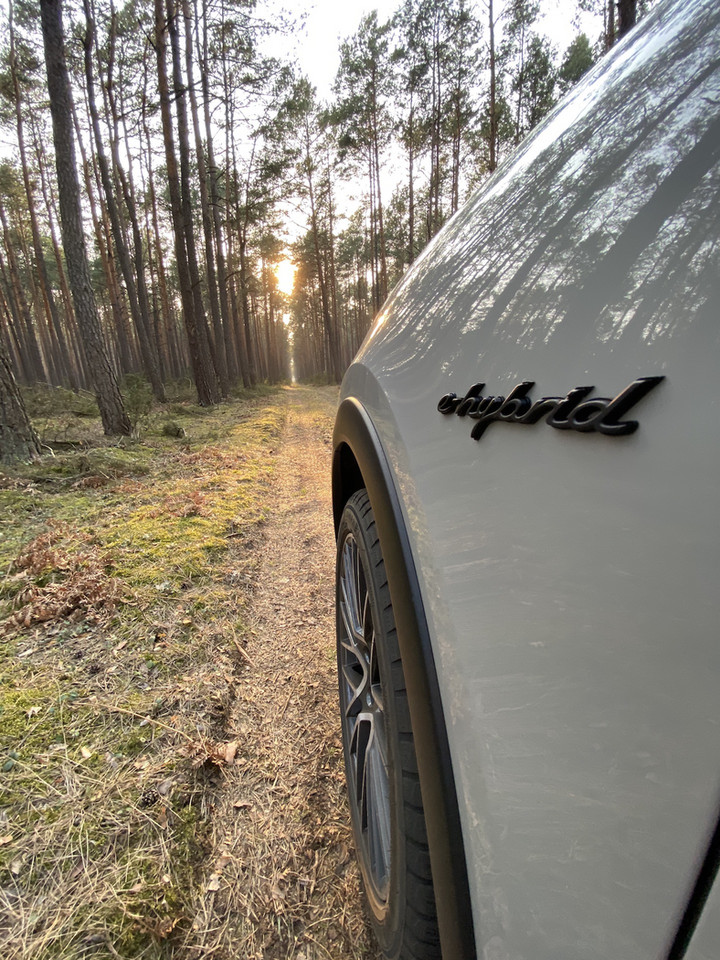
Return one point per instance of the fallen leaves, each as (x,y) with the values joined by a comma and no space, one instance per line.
(60,576)
(213,882)
(203,751)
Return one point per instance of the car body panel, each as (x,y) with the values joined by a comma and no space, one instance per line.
(570,579)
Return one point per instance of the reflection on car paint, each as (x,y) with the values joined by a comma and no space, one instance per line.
(610,240)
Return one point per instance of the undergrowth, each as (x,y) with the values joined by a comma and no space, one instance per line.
(124,569)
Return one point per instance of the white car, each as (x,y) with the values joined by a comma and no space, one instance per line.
(525,479)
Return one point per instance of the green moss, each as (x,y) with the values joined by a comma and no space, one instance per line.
(78,748)
(23,709)
(108,462)
(45,402)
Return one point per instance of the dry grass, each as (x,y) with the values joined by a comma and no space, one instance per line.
(284,866)
(167,791)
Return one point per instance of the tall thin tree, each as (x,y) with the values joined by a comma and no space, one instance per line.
(18,440)
(110,403)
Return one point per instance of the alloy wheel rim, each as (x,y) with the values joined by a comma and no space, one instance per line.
(363,715)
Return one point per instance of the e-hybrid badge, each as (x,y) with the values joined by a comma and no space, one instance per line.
(572,412)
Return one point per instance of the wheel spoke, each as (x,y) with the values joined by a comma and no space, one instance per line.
(378,806)
(363,709)
(352,601)
(355,680)
(374,678)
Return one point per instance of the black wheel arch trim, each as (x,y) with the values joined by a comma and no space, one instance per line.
(706,877)
(367,466)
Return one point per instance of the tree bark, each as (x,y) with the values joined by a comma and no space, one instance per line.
(165,320)
(627,15)
(186,197)
(328,320)
(127,187)
(18,440)
(138,307)
(76,360)
(53,320)
(107,391)
(32,358)
(492,161)
(215,204)
(200,357)
(411,183)
(610,24)
(213,295)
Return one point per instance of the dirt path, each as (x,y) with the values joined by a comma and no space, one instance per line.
(284,881)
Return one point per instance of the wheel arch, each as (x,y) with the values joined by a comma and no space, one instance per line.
(359,461)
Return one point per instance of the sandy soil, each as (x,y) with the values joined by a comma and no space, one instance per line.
(283,880)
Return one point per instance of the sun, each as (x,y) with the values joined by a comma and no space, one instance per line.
(285,273)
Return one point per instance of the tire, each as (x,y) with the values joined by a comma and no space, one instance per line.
(380,765)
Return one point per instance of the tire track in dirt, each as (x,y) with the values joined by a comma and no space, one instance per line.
(282,880)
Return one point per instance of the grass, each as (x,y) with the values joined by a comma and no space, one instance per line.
(124,573)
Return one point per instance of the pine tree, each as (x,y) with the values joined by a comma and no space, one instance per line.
(361,117)
(107,391)
(577,60)
(18,440)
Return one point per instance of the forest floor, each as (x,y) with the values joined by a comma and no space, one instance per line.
(171,780)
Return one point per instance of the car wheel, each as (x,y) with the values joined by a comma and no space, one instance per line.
(380,764)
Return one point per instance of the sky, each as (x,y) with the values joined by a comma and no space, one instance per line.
(328,23)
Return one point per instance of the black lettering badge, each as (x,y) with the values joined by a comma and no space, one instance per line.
(576,411)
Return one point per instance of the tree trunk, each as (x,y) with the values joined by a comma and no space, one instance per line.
(48,345)
(381,226)
(186,197)
(165,322)
(627,15)
(217,324)
(215,204)
(200,358)
(32,358)
(138,306)
(329,323)
(435,138)
(123,332)
(331,275)
(411,183)
(247,337)
(51,207)
(110,403)
(492,161)
(8,327)
(18,440)
(127,187)
(126,343)
(53,320)
(610,24)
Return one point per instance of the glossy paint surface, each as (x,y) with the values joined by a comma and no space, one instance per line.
(571,579)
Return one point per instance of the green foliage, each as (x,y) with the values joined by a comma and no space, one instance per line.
(541,78)
(45,402)
(137,396)
(360,113)
(171,428)
(102,463)
(577,60)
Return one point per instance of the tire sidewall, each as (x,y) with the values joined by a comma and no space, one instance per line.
(387,917)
